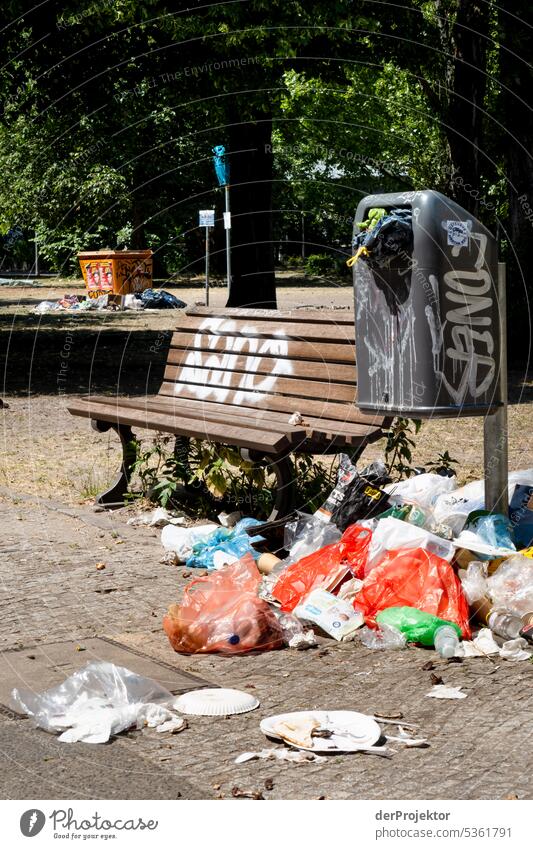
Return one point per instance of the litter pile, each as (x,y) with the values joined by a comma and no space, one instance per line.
(389,564)
(150,299)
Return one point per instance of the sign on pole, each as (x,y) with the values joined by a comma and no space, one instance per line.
(207,220)
(207,217)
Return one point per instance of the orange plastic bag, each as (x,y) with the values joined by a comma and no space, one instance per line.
(222,613)
(324,568)
(414,578)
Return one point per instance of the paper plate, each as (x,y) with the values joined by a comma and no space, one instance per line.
(351,730)
(216,702)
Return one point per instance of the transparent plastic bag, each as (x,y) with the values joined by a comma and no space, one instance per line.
(92,704)
(385,637)
(511,586)
(306,535)
(474,581)
(222,613)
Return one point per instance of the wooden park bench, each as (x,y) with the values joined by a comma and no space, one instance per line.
(235,377)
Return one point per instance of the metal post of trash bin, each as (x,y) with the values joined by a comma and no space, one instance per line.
(495,427)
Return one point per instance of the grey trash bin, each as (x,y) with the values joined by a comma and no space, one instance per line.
(427,323)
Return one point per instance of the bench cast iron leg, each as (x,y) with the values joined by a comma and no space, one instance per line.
(285,489)
(115,495)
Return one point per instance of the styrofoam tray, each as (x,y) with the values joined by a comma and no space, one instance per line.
(352,731)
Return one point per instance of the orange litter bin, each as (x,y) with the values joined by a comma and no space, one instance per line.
(116,272)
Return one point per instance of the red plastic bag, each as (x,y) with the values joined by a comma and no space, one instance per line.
(414,578)
(324,568)
(222,613)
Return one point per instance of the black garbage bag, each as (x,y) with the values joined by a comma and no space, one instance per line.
(363,497)
(158,299)
(390,237)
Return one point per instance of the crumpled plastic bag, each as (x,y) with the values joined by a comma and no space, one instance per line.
(324,568)
(94,703)
(222,613)
(511,586)
(414,578)
(386,637)
(474,581)
(231,541)
(305,535)
(391,534)
(423,489)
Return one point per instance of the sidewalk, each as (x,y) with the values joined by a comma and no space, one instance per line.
(52,591)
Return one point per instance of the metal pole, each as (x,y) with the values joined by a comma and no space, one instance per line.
(495,428)
(207,266)
(228,240)
(303,236)
(36,244)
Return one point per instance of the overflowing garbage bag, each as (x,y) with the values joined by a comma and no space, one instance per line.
(222,612)
(384,236)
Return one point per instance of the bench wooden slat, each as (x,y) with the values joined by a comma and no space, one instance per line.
(255,400)
(319,430)
(201,428)
(281,330)
(291,387)
(262,364)
(328,352)
(340,316)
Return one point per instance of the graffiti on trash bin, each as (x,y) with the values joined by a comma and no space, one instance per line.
(467,333)
(208,371)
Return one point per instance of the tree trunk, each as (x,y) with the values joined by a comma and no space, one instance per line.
(252,251)
(517,103)
(464,117)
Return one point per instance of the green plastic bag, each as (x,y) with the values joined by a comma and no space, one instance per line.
(418,627)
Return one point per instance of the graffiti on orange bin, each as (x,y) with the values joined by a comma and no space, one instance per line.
(134,275)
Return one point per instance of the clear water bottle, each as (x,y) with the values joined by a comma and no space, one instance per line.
(505,624)
(446,641)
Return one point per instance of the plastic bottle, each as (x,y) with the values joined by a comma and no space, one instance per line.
(505,624)
(446,641)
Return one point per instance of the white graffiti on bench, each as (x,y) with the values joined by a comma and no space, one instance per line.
(209,374)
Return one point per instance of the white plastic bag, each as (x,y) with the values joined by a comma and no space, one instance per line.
(452,509)
(390,534)
(423,490)
(92,704)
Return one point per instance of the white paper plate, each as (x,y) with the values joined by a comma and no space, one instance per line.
(216,702)
(351,730)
